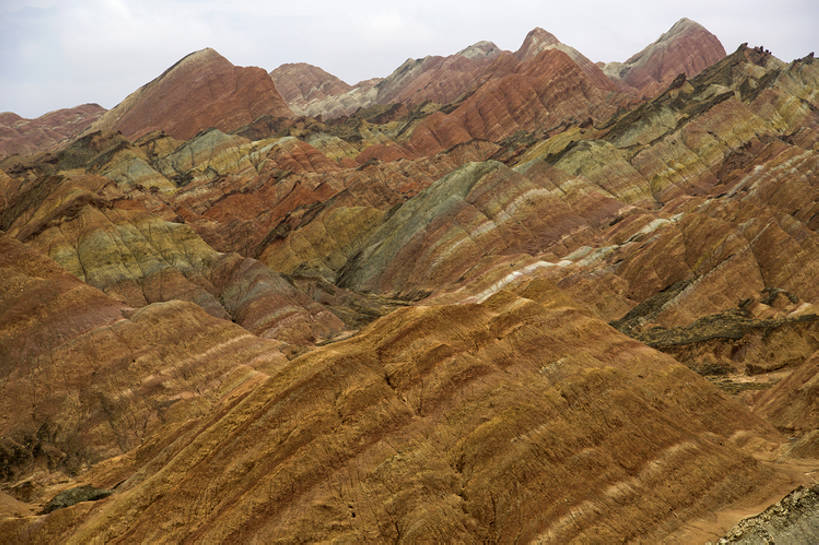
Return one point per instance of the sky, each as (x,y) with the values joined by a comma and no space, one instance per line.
(62,53)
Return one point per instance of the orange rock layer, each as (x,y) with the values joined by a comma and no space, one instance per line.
(472,322)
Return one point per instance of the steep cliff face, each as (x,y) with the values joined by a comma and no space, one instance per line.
(201,91)
(791,521)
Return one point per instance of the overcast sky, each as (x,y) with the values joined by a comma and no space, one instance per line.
(61,53)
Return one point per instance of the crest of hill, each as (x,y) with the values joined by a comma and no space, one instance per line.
(200,91)
(480,49)
(439,79)
(686,48)
(24,136)
(305,82)
(538,40)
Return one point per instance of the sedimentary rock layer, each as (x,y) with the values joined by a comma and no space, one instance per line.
(476,422)
(26,136)
(480,321)
(201,91)
(687,48)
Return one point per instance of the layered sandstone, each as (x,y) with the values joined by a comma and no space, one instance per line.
(460,422)
(686,48)
(437,79)
(200,91)
(547,92)
(80,387)
(25,136)
(115,243)
(302,83)
(544,312)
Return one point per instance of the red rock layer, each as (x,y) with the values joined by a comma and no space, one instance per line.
(201,91)
(793,404)
(687,48)
(25,136)
(300,83)
(547,92)
(438,79)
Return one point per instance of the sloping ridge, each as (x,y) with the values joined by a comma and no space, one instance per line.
(301,83)
(461,423)
(686,48)
(202,90)
(23,136)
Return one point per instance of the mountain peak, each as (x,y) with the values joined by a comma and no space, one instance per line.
(687,47)
(683,24)
(482,49)
(207,53)
(201,90)
(536,41)
(541,35)
(300,83)
(682,27)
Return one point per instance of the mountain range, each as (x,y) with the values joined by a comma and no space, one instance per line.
(493,297)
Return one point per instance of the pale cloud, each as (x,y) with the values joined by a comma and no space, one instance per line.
(385,24)
(57,53)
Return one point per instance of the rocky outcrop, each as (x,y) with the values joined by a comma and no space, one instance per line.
(793,520)
(200,91)
(686,48)
(72,496)
(47,132)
